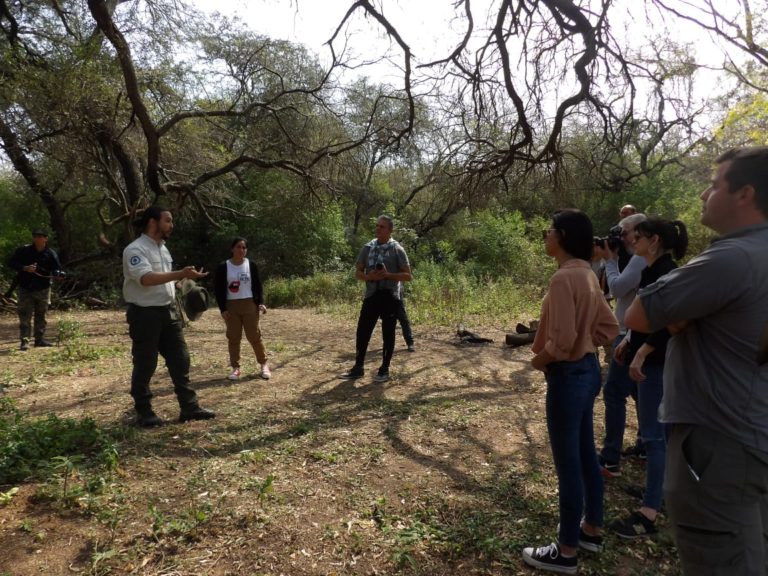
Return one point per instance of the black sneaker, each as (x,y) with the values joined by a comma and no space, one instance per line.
(24,344)
(591,543)
(353,374)
(411,348)
(609,469)
(196,413)
(636,451)
(42,343)
(549,558)
(381,376)
(148,419)
(587,542)
(636,525)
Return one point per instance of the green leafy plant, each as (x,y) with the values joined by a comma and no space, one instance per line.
(6,497)
(181,526)
(29,445)
(266,487)
(75,348)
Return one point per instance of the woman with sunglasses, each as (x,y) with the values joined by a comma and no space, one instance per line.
(658,241)
(575,320)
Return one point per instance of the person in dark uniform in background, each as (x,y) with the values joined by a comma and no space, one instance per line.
(154,323)
(36,264)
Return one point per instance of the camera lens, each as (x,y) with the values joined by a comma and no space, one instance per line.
(379,266)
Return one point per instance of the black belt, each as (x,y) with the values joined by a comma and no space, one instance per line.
(166,307)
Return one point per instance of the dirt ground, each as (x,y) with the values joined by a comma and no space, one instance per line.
(445,469)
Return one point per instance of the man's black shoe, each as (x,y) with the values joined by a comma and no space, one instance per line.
(196,413)
(42,343)
(24,344)
(353,374)
(149,419)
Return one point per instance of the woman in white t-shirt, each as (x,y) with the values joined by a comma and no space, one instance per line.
(240,298)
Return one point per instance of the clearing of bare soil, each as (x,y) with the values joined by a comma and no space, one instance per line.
(445,469)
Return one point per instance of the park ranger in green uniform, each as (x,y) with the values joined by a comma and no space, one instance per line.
(153,320)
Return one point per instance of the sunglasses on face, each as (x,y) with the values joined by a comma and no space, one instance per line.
(545,232)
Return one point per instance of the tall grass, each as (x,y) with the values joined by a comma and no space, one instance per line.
(439,295)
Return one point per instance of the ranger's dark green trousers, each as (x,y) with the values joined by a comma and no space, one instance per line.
(158,330)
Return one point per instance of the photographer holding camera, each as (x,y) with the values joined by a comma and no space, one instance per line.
(622,282)
(36,264)
(382,264)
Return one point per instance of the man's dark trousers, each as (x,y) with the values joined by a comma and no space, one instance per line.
(158,330)
(716,493)
(33,302)
(381,304)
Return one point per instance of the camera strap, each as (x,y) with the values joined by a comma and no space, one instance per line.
(378,252)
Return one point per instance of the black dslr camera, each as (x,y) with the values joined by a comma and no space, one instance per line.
(613,239)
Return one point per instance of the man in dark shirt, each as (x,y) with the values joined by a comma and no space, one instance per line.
(36,264)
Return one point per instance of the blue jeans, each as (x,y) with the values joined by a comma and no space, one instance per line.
(618,386)
(571,391)
(649,393)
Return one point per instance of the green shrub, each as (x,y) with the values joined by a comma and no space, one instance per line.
(313,291)
(440,294)
(29,446)
(501,246)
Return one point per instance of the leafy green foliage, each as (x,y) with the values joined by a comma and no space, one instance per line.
(318,290)
(498,245)
(746,123)
(21,214)
(440,293)
(30,446)
(176,526)
(73,346)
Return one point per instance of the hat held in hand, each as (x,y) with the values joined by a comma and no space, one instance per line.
(194,299)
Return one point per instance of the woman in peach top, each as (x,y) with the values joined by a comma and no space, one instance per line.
(575,320)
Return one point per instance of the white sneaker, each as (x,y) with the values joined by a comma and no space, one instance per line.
(235,374)
(266,373)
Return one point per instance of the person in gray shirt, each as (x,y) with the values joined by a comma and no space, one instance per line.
(382,264)
(716,376)
(619,386)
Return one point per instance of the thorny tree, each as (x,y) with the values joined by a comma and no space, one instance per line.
(111,105)
(527,76)
(114,104)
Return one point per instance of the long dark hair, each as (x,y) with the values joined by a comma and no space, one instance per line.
(673,235)
(574,230)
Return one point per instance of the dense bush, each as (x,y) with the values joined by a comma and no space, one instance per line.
(440,294)
(501,246)
(29,445)
(322,289)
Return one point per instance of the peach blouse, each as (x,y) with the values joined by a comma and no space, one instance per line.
(575,318)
